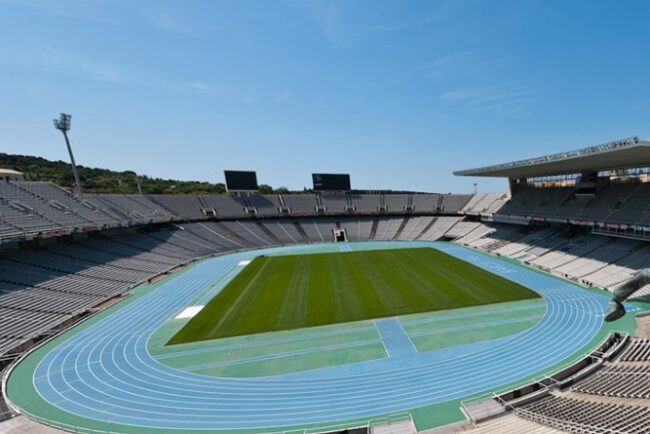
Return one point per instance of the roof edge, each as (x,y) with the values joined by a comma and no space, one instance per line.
(629,142)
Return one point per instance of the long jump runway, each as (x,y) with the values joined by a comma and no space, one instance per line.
(106,373)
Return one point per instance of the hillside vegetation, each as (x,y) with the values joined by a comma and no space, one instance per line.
(101,180)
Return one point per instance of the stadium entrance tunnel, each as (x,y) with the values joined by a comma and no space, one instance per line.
(340,236)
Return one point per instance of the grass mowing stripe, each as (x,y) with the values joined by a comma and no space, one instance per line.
(294,291)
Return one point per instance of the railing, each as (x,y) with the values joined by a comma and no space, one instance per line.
(564,425)
(383,420)
(63,426)
(375,421)
(4,415)
(496,395)
(14,409)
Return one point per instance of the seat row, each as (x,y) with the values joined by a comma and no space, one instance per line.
(32,209)
(41,287)
(582,416)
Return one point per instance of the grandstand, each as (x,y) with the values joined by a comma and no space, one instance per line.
(105,243)
(582,216)
(613,398)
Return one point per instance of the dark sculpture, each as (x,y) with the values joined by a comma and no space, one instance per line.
(615,309)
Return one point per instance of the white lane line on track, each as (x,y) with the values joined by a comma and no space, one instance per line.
(309,334)
(474,326)
(279,400)
(281,355)
(443,316)
(396,342)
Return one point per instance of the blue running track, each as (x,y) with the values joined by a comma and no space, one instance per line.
(105,372)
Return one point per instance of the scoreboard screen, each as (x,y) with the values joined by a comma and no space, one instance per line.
(331,181)
(240,180)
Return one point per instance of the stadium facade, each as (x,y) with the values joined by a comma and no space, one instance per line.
(580,217)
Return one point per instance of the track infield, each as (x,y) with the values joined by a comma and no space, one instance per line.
(276,293)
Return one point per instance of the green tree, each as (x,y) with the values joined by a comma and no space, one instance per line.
(97,180)
(265,189)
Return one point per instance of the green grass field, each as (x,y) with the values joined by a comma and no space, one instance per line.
(275,293)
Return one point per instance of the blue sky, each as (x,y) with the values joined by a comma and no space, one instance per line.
(399,94)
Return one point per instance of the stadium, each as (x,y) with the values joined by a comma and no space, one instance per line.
(337,310)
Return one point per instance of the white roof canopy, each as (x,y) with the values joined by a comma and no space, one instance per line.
(621,154)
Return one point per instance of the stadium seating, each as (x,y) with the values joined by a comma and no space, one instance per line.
(139,208)
(425,202)
(462,229)
(387,228)
(638,351)
(45,286)
(300,204)
(358,229)
(335,204)
(43,214)
(42,288)
(626,203)
(593,260)
(226,206)
(59,281)
(56,196)
(396,203)
(37,209)
(578,246)
(619,381)
(453,203)
(511,424)
(414,227)
(582,416)
(438,228)
(366,203)
(215,234)
(185,206)
(266,205)
(483,203)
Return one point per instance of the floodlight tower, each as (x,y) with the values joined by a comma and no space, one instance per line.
(63,124)
(475,187)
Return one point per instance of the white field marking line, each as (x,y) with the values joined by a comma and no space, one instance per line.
(441,316)
(76,364)
(474,326)
(415,348)
(207,293)
(288,339)
(381,339)
(217,285)
(240,296)
(189,312)
(272,356)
